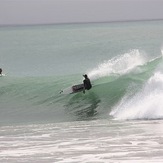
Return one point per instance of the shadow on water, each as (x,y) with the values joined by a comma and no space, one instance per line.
(83,106)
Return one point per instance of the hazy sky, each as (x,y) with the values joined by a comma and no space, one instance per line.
(64,11)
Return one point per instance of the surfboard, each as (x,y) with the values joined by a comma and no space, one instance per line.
(73,89)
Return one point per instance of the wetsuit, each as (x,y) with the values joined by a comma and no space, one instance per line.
(87,84)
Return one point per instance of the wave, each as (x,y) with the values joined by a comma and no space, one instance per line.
(146,104)
(132,89)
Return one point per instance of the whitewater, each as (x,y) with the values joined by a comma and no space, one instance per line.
(119,120)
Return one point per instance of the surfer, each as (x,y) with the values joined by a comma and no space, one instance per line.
(1,71)
(87,83)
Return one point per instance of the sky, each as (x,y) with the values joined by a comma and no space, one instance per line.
(77,11)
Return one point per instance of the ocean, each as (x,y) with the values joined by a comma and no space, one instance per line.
(119,120)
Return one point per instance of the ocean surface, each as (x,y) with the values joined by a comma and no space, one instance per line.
(119,120)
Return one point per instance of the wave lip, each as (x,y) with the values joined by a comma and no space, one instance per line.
(118,65)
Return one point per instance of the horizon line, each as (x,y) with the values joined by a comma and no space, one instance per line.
(76,23)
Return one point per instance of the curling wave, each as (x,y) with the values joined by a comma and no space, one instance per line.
(130,90)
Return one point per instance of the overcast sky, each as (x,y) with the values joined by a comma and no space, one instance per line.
(67,11)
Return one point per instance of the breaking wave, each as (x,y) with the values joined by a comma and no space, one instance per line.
(126,87)
(146,104)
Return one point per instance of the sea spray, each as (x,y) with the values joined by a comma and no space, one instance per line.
(118,65)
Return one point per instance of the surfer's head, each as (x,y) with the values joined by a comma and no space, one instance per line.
(0,70)
(85,76)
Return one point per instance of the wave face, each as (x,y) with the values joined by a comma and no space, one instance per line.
(129,90)
(123,61)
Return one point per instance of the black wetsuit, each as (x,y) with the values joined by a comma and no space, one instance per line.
(87,84)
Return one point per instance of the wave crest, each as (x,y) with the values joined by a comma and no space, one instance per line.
(118,65)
